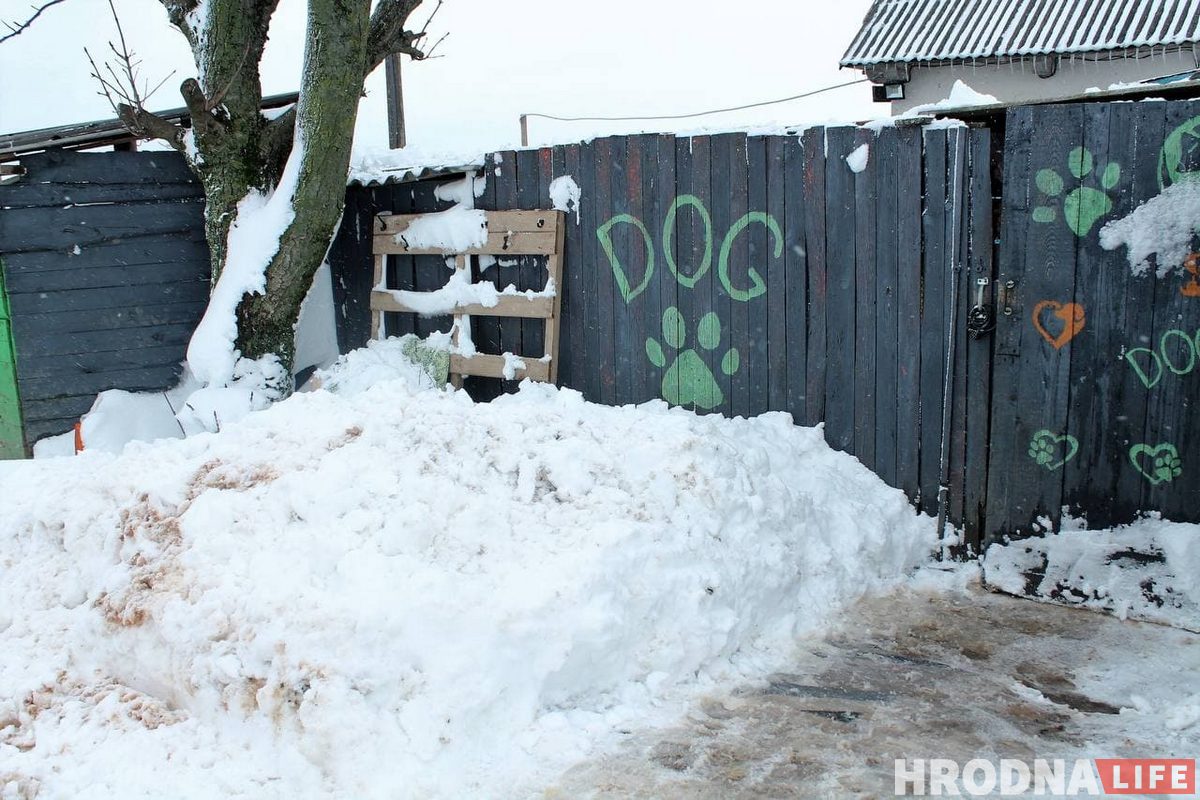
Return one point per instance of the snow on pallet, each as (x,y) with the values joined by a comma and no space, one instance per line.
(461,233)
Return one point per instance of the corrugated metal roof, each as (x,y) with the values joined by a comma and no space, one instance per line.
(952,30)
(410,175)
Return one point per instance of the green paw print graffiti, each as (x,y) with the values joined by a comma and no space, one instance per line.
(1052,450)
(689,381)
(1083,206)
(1157,463)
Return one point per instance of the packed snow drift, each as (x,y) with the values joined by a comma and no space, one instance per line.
(381,589)
(1146,570)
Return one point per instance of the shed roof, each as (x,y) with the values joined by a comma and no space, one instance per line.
(958,30)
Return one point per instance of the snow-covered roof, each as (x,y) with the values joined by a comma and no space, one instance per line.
(952,30)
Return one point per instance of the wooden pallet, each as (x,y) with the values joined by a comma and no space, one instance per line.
(509,234)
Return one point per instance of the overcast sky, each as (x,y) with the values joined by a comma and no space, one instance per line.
(568,58)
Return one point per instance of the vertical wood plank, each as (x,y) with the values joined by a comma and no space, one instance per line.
(565,161)
(815,238)
(887,333)
(532,269)
(979,351)
(840,322)
(593,270)
(795,254)
(933,318)
(606,294)
(661,193)
(1016,221)
(723,209)
(909,161)
(865,308)
(508,270)
(776,328)
(762,243)
(738,320)
(958,246)
(630,246)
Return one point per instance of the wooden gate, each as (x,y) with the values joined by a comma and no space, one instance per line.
(1096,369)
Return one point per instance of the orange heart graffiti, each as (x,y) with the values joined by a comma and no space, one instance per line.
(1071,315)
(1192,287)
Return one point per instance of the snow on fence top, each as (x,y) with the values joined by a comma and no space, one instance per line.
(950,30)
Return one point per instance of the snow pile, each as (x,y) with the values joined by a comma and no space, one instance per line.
(463,192)
(857,160)
(370,165)
(961,96)
(1161,228)
(460,291)
(565,195)
(253,241)
(1146,570)
(454,230)
(383,591)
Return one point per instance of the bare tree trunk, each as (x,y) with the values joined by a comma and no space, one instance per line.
(235,150)
(335,61)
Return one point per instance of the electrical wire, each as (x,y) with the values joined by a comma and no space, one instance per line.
(698,113)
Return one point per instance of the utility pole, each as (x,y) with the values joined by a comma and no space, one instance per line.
(395,102)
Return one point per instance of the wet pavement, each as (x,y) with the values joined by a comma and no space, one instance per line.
(955,674)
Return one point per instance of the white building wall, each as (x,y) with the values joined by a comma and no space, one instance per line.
(1016,83)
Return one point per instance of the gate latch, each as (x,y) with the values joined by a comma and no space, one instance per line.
(982,319)
(1008,296)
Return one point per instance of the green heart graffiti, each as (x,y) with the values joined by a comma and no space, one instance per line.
(1163,460)
(1045,448)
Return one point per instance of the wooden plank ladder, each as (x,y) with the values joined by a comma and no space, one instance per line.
(509,234)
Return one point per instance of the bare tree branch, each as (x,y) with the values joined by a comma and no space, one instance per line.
(387,34)
(141,122)
(17,28)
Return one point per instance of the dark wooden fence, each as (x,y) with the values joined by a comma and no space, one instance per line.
(740,275)
(1097,371)
(107,275)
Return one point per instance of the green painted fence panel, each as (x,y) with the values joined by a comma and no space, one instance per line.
(12,444)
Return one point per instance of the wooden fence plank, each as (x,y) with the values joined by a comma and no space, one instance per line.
(532,270)
(795,255)
(761,242)
(593,271)
(958,244)
(884,349)
(840,248)
(908,301)
(508,270)
(933,317)
(866,287)
(775,331)
(485,331)
(630,247)
(815,246)
(606,294)
(664,291)
(1016,221)
(979,351)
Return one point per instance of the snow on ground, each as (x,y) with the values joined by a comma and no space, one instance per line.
(1146,570)
(380,589)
